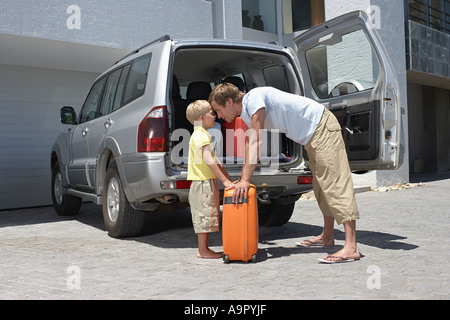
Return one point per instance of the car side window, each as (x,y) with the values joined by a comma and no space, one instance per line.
(275,76)
(110,92)
(92,102)
(121,87)
(137,79)
(342,65)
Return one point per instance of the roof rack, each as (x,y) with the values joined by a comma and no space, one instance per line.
(162,39)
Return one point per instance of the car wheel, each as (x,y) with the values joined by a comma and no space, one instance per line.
(121,219)
(64,204)
(275,214)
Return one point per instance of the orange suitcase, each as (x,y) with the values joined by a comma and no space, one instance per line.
(240,227)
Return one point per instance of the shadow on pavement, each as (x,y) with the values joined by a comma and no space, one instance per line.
(173,229)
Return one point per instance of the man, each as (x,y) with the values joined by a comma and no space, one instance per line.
(308,123)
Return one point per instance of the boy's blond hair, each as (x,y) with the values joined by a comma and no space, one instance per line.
(196,109)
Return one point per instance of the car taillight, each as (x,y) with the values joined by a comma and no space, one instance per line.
(304,179)
(183,184)
(152,131)
(178,184)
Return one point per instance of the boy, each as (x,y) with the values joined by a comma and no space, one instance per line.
(203,170)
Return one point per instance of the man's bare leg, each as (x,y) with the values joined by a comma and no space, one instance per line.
(350,250)
(327,236)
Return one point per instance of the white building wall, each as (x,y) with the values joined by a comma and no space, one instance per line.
(227,20)
(51,52)
(392,31)
(116,24)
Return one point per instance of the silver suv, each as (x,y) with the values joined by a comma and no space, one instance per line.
(127,149)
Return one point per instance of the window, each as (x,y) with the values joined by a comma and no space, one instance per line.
(137,79)
(276,77)
(432,13)
(301,15)
(121,87)
(93,99)
(296,15)
(238,80)
(110,92)
(342,65)
(259,15)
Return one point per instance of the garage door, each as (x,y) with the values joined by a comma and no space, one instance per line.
(30,99)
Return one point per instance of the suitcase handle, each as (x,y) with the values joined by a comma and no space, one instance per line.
(229,200)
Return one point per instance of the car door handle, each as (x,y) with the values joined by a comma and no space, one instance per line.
(350,131)
(108,123)
(84,132)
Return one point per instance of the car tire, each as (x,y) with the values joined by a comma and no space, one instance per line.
(64,204)
(121,219)
(275,214)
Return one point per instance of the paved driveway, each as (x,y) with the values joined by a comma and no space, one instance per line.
(403,235)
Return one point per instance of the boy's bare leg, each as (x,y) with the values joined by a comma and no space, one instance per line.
(204,252)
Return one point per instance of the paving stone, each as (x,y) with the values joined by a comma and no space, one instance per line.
(402,233)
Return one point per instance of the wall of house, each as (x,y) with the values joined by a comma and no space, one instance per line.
(115,24)
(416,134)
(429,50)
(436,119)
(51,52)
(428,70)
(391,28)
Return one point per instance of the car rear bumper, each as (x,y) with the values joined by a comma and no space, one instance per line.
(145,176)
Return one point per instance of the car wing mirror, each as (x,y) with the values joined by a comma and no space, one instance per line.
(68,115)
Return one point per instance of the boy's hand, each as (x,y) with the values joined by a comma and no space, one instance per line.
(231,186)
(228,184)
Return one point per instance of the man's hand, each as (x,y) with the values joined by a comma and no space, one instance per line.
(240,190)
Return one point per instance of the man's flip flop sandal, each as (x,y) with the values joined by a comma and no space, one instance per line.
(341,260)
(309,244)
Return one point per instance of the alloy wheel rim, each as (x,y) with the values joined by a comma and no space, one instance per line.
(113,200)
(58,188)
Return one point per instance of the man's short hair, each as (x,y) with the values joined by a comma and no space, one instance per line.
(225,91)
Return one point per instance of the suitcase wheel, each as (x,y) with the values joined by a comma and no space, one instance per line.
(226,259)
